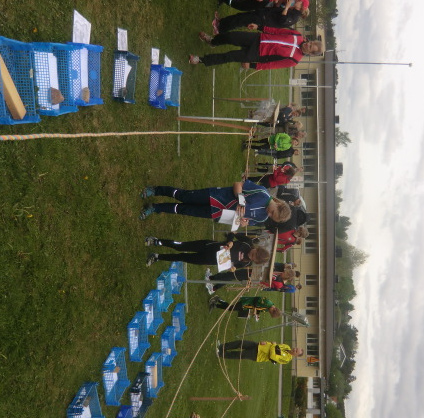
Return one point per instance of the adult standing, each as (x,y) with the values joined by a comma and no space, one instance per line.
(256,20)
(242,251)
(246,303)
(260,352)
(256,204)
(273,48)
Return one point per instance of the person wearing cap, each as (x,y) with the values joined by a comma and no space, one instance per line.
(270,16)
(271,49)
(260,352)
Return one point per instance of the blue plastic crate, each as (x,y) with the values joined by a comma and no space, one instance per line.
(86,402)
(178,266)
(173,87)
(178,320)
(157,86)
(168,346)
(124,76)
(138,338)
(163,284)
(52,64)
(85,72)
(125,411)
(140,400)
(19,60)
(115,379)
(177,274)
(151,305)
(153,368)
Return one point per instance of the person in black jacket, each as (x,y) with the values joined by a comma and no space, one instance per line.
(271,17)
(243,251)
(299,217)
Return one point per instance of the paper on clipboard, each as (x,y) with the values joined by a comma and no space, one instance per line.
(223,259)
(230,217)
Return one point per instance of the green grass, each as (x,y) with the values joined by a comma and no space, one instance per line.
(72,256)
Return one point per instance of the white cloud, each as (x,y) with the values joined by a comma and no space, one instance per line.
(383,194)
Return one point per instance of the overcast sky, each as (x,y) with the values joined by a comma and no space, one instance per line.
(382,109)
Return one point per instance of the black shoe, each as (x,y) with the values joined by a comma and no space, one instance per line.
(151,259)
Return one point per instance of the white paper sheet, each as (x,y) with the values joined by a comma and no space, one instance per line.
(223,258)
(84,68)
(122,39)
(230,217)
(167,62)
(155,56)
(81,30)
(44,94)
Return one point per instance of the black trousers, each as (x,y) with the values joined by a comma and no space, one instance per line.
(249,52)
(239,20)
(194,202)
(241,274)
(246,350)
(201,251)
(246,5)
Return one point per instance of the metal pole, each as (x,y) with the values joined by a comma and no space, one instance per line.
(289,85)
(360,62)
(228,119)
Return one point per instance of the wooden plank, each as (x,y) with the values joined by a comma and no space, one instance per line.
(11,95)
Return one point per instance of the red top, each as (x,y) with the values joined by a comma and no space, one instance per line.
(279,176)
(286,240)
(281,42)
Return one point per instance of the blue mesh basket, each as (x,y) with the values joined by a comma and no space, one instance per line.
(176,272)
(18,57)
(138,337)
(163,284)
(115,379)
(46,55)
(151,305)
(153,368)
(178,320)
(123,82)
(139,397)
(85,72)
(157,86)
(167,346)
(85,403)
(173,85)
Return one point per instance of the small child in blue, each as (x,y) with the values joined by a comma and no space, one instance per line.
(210,202)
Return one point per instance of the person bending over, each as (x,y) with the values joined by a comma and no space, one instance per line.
(260,352)
(242,251)
(256,304)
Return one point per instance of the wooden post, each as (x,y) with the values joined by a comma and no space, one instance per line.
(221,398)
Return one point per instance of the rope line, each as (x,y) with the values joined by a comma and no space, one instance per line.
(195,356)
(106,134)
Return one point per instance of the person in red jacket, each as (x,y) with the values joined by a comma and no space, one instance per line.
(287,239)
(273,48)
(280,175)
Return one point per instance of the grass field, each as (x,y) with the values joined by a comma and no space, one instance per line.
(72,260)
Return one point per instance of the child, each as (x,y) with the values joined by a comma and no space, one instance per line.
(243,252)
(245,304)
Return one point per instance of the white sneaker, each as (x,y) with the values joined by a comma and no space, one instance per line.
(207,274)
(209,287)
